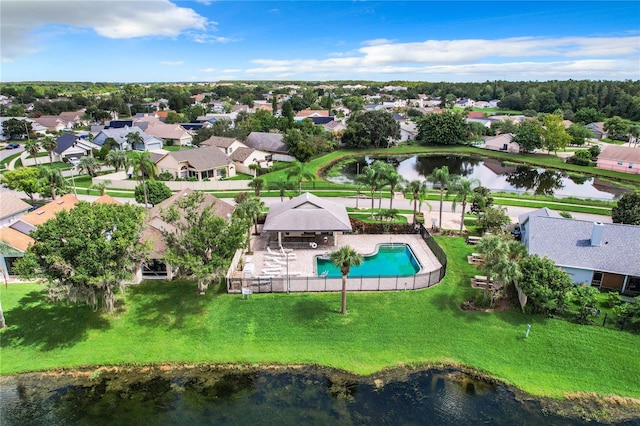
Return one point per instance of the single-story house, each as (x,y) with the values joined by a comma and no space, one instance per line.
(150,143)
(502,142)
(206,162)
(307,219)
(155,267)
(12,208)
(53,123)
(73,118)
(13,244)
(603,255)
(271,143)
(172,134)
(37,217)
(597,129)
(620,158)
(71,146)
(240,153)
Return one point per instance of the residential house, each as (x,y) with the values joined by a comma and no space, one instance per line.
(206,162)
(603,255)
(272,144)
(502,142)
(310,113)
(156,267)
(37,217)
(465,103)
(597,130)
(172,134)
(482,104)
(408,131)
(69,145)
(73,118)
(53,123)
(620,158)
(11,208)
(35,127)
(13,244)
(150,143)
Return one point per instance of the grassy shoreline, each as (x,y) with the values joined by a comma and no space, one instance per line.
(168,323)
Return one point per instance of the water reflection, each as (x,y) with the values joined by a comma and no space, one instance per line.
(493,174)
(309,397)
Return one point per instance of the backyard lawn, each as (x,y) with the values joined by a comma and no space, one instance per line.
(168,322)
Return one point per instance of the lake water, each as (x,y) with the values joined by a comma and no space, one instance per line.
(494,175)
(309,396)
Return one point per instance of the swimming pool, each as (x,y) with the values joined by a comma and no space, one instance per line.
(389,260)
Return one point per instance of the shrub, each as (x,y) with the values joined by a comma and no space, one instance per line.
(165,176)
(594,151)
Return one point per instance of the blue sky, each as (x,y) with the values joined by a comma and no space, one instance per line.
(206,40)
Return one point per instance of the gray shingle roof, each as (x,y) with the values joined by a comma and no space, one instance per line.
(241,154)
(269,142)
(219,141)
(568,243)
(205,158)
(309,213)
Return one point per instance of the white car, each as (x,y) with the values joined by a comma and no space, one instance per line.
(74,161)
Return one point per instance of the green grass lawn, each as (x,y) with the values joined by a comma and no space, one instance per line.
(168,322)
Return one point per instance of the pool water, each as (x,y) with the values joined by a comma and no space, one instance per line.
(390,260)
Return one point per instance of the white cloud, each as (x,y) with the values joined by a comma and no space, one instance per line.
(208,70)
(209,38)
(172,63)
(377,42)
(115,19)
(205,2)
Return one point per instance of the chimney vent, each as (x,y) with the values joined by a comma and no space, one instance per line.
(596,233)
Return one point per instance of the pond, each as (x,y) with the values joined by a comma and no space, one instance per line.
(307,396)
(494,174)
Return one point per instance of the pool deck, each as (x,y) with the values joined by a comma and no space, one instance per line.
(302,262)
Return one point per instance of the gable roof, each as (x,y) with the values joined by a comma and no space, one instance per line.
(11,205)
(49,210)
(106,199)
(568,243)
(219,207)
(544,212)
(65,142)
(219,141)
(242,154)
(204,158)
(307,212)
(269,142)
(620,153)
(15,239)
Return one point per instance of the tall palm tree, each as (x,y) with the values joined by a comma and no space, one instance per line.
(134,139)
(32,147)
(142,166)
(370,178)
(415,188)
(49,144)
(100,187)
(52,178)
(250,209)
(395,181)
(258,184)
(282,186)
(463,190)
(344,258)
(299,171)
(440,176)
(117,159)
(89,165)
(384,170)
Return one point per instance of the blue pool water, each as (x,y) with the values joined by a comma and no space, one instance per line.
(389,261)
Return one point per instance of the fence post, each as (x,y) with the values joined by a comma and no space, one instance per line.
(604,320)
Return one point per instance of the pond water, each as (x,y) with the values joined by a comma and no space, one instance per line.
(493,174)
(389,260)
(291,397)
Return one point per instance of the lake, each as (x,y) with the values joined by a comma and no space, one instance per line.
(302,396)
(494,174)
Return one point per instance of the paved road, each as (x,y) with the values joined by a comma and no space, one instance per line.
(8,152)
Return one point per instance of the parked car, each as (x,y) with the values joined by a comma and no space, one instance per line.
(12,145)
(74,161)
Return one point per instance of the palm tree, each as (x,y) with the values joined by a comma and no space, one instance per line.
(142,166)
(370,178)
(395,181)
(282,186)
(463,190)
(101,187)
(344,258)
(415,188)
(300,172)
(49,144)
(117,159)
(134,139)
(32,147)
(250,209)
(53,178)
(89,165)
(634,134)
(257,184)
(441,177)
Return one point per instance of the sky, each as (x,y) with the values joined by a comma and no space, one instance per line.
(209,40)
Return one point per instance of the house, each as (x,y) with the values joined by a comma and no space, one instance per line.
(150,143)
(11,208)
(37,128)
(502,142)
(465,103)
(408,130)
(172,134)
(53,123)
(73,118)
(271,143)
(603,255)
(310,113)
(242,155)
(106,199)
(620,158)
(71,146)
(13,244)
(37,217)
(307,219)
(156,267)
(597,130)
(206,162)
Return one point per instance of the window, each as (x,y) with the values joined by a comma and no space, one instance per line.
(633,284)
(619,163)
(597,279)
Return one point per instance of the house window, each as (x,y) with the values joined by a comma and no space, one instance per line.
(619,163)
(631,165)
(633,284)
(596,281)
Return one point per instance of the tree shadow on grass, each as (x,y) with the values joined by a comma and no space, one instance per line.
(166,304)
(309,310)
(47,326)
(451,303)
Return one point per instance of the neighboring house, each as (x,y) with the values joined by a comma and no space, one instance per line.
(271,143)
(150,143)
(603,255)
(13,244)
(207,162)
(335,126)
(502,142)
(106,199)
(310,113)
(242,155)
(307,219)
(465,103)
(37,128)
(226,145)
(482,104)
(73,118)
(597,129)
(155,267)
(72,146)
(53,123)
(11,208)
(172,134)
(620,158)
(37,217)
(408,131)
